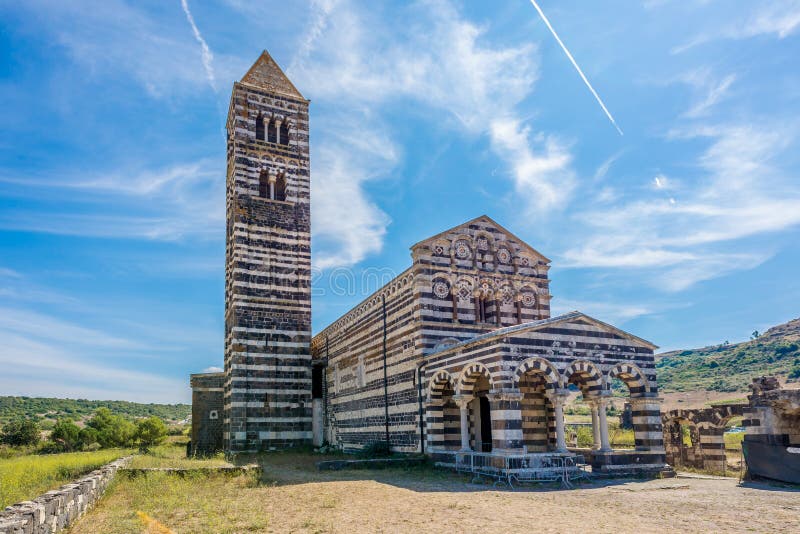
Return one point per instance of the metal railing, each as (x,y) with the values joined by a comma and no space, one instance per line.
(510,469)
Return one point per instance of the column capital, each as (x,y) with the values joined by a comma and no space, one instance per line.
(432,403)
(558,395)
(505,395)
(645,400)
(462,400)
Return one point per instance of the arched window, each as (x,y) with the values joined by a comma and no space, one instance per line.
(263,184)
(284,133)
(280,188)
(260,127)
(272,133)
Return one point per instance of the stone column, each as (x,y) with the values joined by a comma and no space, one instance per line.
(434,424)
(602,402)
(272,179)
(506,415)
(463,405)
(278,131)
(557,399)
(648,430)
(595,424)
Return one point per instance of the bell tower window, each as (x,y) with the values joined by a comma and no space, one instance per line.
(284,133)
(260,128)
(263,185)
(272,132)
(280,188)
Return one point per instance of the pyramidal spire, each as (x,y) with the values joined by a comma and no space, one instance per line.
(266,74)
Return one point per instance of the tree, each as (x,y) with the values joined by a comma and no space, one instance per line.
(754,335)
(66,434)
(20,432)
(149,432)
(112,430)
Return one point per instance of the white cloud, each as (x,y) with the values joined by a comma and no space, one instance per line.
(684,239)
(779,18)
(609,312)
(115,37)
(439,61)
(168,203)
(213,369)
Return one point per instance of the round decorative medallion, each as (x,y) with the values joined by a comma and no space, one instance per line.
(462,249)
(503,256)
(441,289)
(528,299)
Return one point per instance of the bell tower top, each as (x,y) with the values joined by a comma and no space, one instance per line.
(265,74)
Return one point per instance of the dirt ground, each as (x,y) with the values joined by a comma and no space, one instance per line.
(294,497)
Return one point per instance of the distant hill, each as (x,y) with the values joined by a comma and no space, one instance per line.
(53,409)
(731,367)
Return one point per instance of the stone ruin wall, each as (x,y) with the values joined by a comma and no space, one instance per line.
(57,509)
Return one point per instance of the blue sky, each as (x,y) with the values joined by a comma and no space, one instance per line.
(684,230)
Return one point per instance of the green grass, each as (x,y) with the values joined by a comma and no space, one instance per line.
(174,455)
(26,477)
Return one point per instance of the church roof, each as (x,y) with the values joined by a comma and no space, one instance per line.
(571,317)
(267,75)
(486,220)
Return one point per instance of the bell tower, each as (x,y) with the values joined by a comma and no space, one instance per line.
(267,388)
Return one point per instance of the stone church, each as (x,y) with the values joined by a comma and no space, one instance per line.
(457,353)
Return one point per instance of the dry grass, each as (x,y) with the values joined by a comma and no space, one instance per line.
(174,455)
(294,497)
(26,477)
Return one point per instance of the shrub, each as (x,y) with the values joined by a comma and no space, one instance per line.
(66,435)
(149,432)
(20,433)
(112,430)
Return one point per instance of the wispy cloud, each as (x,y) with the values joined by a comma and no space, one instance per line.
(173,202)
(575,64)
(205,51)
(440,62)
(709,90)
(682,240)
(779,18)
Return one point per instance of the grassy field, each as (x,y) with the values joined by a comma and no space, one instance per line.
(173,454)
(26,477)
(292,496)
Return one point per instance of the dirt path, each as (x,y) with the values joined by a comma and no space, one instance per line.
(294,498)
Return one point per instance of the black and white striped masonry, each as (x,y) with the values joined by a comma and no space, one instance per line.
(267,392)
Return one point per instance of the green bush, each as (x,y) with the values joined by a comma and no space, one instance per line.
(20,433)
(112,430)
(65,436)
(150,432)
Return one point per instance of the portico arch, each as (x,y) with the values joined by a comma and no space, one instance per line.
(537,379)
(442,415)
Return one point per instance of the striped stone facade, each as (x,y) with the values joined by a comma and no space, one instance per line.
(470,344)
(267,392)
(457,352)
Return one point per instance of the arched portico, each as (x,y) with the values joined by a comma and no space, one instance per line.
(442,415)
(542,399)
(645,405)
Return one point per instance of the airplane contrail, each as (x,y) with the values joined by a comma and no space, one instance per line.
(575,64)
(208,57)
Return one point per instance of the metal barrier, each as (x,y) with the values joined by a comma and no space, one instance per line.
(510,469)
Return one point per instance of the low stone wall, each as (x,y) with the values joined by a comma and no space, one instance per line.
(59,508)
